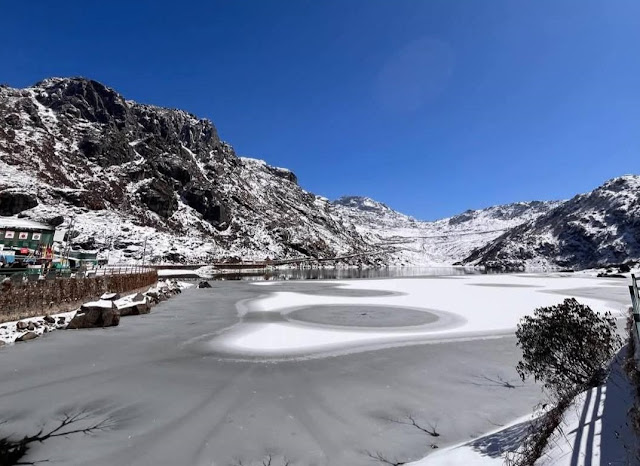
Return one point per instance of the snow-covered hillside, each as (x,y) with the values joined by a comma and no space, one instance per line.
(440,242)
(598,228)
(74,148)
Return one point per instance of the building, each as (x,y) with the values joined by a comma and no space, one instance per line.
(83,258)
(16,234)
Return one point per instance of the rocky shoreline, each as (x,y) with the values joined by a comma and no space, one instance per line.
(105,312)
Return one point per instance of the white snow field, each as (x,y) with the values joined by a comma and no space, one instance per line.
(474,306)
(311,372)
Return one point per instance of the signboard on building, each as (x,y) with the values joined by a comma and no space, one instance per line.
(23,235)
(9,234)
(36,236)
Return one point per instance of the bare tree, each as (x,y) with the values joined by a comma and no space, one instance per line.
(411,421)
(12,452)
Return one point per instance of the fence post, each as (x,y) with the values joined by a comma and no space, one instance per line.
(635,301)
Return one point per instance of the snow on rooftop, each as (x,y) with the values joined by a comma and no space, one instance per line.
(14,222)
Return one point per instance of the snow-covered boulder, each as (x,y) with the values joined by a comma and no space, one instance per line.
(96,314)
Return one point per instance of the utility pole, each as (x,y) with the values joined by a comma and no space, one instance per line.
(108,240)
(68,245)
(144,250)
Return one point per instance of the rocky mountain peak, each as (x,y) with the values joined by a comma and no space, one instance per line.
(363,203)
(592,229)
(131,169)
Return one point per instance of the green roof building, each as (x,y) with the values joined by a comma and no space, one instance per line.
(17,233)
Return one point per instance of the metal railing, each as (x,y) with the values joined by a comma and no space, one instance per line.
(635,301)
(22,276)
(117,270)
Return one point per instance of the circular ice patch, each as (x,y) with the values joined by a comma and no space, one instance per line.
(362,316)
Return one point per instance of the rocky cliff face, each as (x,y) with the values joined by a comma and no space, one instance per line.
(598,228)
(125,171)
(441,242)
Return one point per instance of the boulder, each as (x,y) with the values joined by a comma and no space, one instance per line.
(96,314)
(22,325)
(2,343)
(139,297)
(27,336)
(110,296)
(50,320)
(204,285)
(61,320)
(134,308)
(32,326)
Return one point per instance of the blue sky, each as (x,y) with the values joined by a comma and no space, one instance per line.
(432,107)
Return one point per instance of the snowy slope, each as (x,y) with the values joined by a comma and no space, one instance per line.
(439,242)
(125,172)
(598,228)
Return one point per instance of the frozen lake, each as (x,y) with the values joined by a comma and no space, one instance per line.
(317,372)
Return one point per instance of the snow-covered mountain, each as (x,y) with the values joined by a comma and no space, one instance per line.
(72,148)
(126,171)
(440,242)
(601,227)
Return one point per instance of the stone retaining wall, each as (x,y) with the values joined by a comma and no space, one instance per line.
(64,294)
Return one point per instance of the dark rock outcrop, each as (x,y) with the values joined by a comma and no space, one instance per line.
(12,203)
(160,198)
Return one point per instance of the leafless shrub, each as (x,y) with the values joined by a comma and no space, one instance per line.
(13,451)
(539,432)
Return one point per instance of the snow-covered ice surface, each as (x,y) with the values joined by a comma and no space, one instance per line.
(467,307)
(487,450)
(168,403)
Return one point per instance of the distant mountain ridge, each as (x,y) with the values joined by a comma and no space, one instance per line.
(594,229)
(435,243)
(124,171)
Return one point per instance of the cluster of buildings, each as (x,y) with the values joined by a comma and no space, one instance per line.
(26,246)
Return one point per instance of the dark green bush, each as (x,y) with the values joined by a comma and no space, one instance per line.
(567,347)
